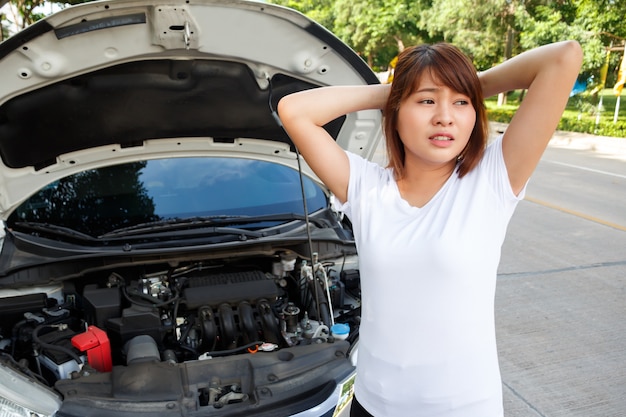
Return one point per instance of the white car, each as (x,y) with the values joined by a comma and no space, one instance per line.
(166,251)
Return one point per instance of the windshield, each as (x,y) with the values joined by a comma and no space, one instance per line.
(99,201)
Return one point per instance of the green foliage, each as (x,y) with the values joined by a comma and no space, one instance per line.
(583,114)
(545,26)
(322,11)
(571,124)
(4,30)
(377,28)
(27,13)
(604,18)
(478,27)
(501,115)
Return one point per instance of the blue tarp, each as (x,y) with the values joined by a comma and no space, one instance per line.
(579,87)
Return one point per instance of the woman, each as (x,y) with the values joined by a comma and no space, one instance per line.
(429,227)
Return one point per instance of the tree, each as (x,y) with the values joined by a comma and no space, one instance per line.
(322,11)
(376,29)
(604,18)
(603,23)
(379,29)
(24,12)
(478,27)
(540,24)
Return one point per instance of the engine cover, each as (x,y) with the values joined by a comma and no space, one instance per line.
(231,288)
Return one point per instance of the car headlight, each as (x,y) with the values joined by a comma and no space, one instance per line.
(10,409)
(22,397)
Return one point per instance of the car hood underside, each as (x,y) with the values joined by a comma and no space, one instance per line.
(107,82)
(132,102)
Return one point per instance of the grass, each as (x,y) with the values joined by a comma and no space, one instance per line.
(580,115)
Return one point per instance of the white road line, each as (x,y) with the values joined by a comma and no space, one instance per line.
(597,171)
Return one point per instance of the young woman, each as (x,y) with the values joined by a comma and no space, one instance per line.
(429,227)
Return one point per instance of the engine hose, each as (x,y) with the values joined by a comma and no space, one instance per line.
(49,346)
(320,331)
(151,302)
(235,350)
(14,334)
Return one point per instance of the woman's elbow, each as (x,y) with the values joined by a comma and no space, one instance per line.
(571,55)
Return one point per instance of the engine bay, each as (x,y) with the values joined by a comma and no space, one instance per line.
(118,320)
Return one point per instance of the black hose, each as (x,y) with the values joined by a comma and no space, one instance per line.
(235,350)
(14,334)
(150,300)
(49,346)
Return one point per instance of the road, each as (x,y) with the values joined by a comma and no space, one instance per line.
(561,297)
(584,182)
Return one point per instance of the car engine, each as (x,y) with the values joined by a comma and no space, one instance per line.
(187,312)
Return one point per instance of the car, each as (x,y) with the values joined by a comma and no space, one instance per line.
(166,251)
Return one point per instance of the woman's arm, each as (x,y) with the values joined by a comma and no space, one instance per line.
(548,72)
(304,113)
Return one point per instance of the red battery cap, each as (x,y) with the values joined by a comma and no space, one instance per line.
(95,343)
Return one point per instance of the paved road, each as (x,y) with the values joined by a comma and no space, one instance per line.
(587,183)
(561,298)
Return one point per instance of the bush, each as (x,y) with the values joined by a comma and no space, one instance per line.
(582,121)
(501,115)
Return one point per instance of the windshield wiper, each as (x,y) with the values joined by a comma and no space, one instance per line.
(176,224)
(53,229)
(154,232)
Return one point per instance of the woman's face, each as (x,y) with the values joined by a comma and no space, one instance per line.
(434,124)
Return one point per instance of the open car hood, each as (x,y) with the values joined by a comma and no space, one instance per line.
(116,81)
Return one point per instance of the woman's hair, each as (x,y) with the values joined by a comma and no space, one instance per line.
(451,67)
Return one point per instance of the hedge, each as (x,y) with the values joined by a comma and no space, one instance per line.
(569,124)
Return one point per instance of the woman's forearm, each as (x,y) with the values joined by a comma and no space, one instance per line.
(520,71)
(322,105)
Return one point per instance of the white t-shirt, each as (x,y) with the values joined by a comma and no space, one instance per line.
(428,275)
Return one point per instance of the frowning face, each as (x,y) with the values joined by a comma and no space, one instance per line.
(435,123)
